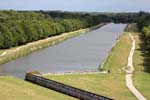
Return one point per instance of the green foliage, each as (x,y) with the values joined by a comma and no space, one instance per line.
(146,33)
(21,27)
(144,26)
(125,18)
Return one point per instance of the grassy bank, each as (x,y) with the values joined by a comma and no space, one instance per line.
(15,89)
(142,66)
(111,85)
(118,56)
(13,53)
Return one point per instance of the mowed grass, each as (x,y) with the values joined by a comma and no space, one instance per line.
(141,63)
(119,54)
(14,89)
(142,83)
(111,85)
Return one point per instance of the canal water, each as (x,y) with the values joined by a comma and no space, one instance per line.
(83,53)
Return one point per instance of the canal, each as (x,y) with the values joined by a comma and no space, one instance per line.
(83,53)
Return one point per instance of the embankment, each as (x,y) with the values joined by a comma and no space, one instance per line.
(117,57)
(101,67)
(105,66)
(14,53)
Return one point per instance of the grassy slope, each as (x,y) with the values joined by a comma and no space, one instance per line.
(119,54)
(37,45)
(111,85)
(15,89)
(141,60)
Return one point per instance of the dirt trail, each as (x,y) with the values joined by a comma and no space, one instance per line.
(130,71)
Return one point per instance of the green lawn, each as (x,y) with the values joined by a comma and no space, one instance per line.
(111,85)
(142,83)
(14,89)
(142,67)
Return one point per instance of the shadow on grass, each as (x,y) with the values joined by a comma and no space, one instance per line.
(145,52)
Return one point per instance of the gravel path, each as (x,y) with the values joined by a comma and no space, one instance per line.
(130,72)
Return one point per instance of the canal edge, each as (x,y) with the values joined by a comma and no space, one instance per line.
(24,50)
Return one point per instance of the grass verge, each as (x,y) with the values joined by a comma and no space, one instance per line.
(118,56)
(142,66)
(15,89)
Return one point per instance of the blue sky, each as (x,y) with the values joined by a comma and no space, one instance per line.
(78,5)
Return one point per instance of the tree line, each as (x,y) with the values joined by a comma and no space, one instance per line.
(144,27)
(20,27)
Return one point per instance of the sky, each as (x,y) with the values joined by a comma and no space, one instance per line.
(78,5)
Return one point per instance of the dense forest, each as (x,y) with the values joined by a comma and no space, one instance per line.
(21,27)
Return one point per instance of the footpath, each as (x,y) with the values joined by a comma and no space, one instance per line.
(130,71)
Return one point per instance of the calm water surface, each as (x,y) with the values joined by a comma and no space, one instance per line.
(82,53)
